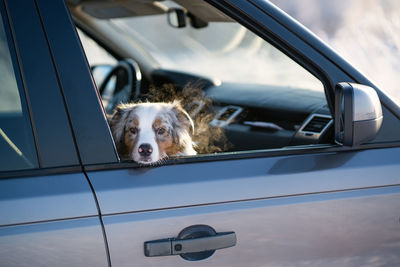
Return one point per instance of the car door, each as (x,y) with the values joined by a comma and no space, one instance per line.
(48,214)
(315,205)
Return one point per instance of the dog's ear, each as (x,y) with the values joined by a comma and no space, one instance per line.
(183,117)
(117,122)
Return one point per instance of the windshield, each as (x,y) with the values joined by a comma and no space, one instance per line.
(223,50)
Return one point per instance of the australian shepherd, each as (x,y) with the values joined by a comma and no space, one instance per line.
(150,132)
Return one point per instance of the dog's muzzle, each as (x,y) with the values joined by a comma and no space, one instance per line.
(145,150)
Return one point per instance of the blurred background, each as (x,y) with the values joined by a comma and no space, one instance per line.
(365,32)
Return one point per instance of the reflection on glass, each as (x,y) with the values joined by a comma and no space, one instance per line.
(9,96)
(16,140)
(223,50)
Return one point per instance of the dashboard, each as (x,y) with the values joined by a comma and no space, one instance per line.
(256,116)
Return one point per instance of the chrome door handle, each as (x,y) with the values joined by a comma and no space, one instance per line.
(192,241)
(173,246)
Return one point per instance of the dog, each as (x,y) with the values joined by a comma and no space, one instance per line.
(148,133)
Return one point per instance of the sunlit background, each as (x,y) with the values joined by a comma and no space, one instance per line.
(365,32)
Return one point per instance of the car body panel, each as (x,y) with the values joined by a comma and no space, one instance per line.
(132,190)
(353,228)
(50,221)
(43,198)
(274,205)
(76,242)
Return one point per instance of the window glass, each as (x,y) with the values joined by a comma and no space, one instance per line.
(95,54)
(253,96)
(16,138)
(225,51)
(99,59)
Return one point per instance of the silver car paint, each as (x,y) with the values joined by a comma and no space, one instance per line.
(40,225)
(355,228)
(76,242)
(129,190)
(31,199)
(274,205)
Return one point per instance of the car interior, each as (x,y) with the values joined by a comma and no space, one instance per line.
(261,98)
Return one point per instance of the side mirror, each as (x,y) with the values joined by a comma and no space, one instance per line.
(358,114)
(176,17)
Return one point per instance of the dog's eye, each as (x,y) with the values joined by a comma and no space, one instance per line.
(133,130)
(160,131)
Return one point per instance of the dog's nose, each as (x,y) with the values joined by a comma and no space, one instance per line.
(145,150)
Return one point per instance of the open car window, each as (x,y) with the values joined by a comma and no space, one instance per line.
(241,93)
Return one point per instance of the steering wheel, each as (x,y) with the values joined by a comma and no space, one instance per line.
(127,85)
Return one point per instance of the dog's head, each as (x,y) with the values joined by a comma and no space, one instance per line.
(149,132)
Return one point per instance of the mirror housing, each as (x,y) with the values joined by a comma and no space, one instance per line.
(176,17)
(358,114)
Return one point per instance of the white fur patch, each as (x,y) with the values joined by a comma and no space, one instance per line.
(146,114)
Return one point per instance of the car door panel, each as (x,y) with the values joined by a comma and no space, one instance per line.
(329,229)
(132,190)
(275,205)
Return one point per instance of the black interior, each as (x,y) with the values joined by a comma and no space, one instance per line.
(285,107)
(267,116)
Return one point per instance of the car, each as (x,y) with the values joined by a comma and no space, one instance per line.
(310,177)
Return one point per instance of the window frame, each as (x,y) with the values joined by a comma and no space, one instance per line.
(54,143)
(88,120)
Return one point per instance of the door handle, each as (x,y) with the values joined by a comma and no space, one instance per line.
(191,243)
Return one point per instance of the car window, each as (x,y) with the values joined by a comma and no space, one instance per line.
(16,137)
(252,96)
(225,51)
(95,54)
